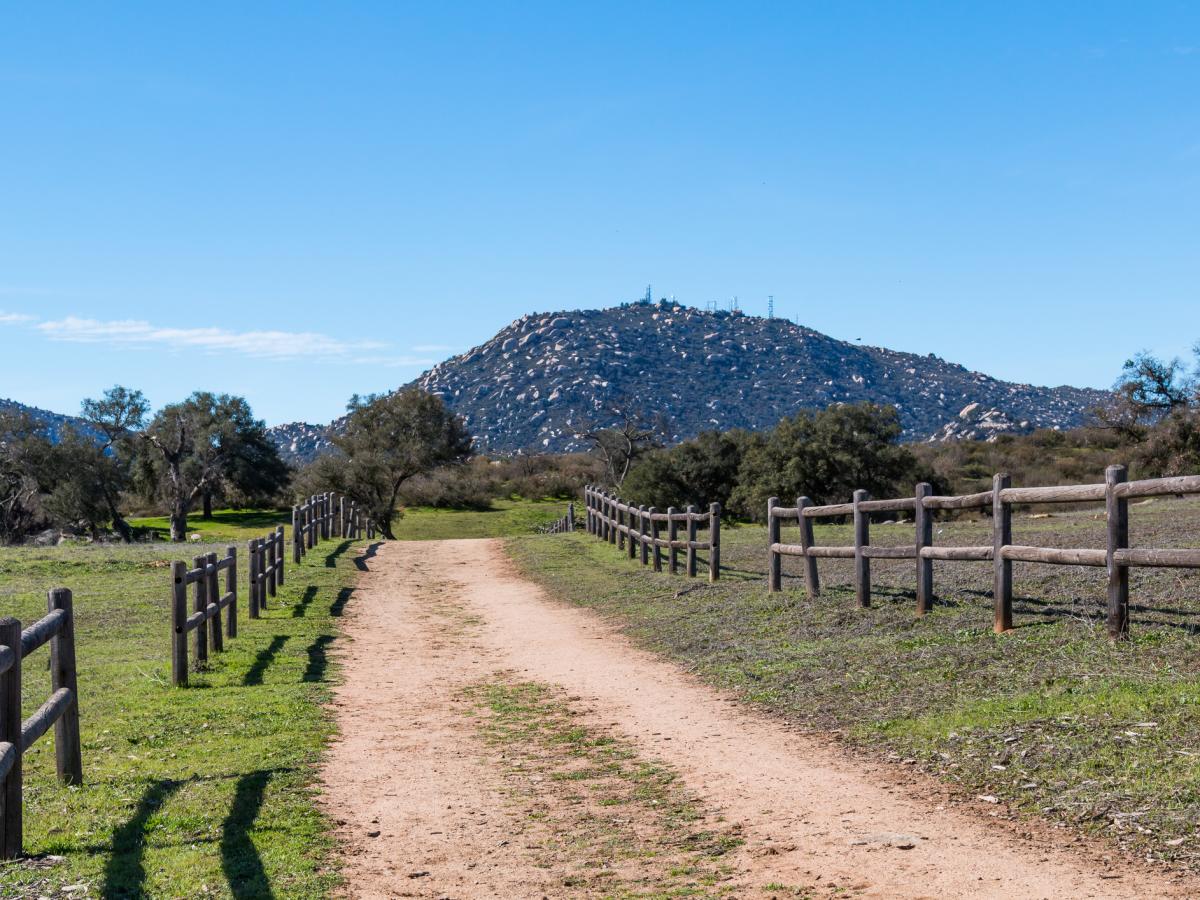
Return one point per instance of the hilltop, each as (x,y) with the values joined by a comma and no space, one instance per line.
(544,377)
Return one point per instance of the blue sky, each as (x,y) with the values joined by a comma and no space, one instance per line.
(300,201)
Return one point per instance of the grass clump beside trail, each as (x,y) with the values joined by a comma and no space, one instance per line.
(506,518)
(621,824)
(1052,716)
(200,791)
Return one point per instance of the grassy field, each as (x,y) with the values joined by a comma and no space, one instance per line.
(1052,716)
(506,518)
(199,792)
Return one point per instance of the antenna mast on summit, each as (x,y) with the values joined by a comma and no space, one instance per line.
(649,298)
(770,306)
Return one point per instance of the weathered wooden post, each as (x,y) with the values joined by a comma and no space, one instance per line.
(297,552)
(923,522)
(216,638)
(571,516)
(774,559)
(1002,568)
(11,822)
(67,753)
(812,579)
(1117,508)
(279,552)
(630,514)
(714,539)
(179,617)
(691,536)
(271,557)
(621,526)
(231,590)
(313,513)
(672,537)
(643,532)
(655,548)
(326,509)
(252,578)
(862,538)
(260,548)
(200,605)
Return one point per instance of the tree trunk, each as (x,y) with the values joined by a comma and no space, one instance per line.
(179,521)
(207,514)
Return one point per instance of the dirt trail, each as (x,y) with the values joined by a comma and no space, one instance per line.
(422,813)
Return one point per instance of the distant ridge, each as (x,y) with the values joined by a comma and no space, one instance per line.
(539,380)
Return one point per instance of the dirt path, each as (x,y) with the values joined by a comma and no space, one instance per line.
(422,811)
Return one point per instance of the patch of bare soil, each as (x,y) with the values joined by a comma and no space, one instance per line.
(425,808)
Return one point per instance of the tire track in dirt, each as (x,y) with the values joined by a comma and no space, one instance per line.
(420,812)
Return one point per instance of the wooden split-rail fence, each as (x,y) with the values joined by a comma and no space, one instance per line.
(1117,557)
(61,710)
(638,529)
(315,520)
(323,516)
(563,524)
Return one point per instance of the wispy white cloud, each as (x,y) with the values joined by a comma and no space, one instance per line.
(432,348)
(276,345)
(7,318)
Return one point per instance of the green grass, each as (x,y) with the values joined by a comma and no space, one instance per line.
(203,791)
(1052,716)
(506,518)
(621,824)
(225,525)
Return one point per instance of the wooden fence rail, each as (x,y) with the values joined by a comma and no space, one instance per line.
(61,710)
(638,528)
(1116,557)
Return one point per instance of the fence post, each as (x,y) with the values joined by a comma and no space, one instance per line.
(923,522)
(296,535)
(1118,539)
(216,638)
(269,544)
(587,508)
(1001,538)
(10,733)
(812,579)
(279,554)
(774,560)
(231,590)
(633,540)
(67,754)
(672,537)
(312,521)
(643,530)
(200,604)
(714,538)
(862,538)
(622,520)
(571,516)
(179,615)
(252,578)
(326,506)
(655,549)
(691,536)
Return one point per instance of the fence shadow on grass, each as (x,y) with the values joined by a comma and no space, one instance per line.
(301,608)
(331,557)
(124,873)
(239,857)
(318,658)
(338,605)
(262,662)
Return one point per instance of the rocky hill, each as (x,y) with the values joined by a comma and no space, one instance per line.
(544,378)
(53,423)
